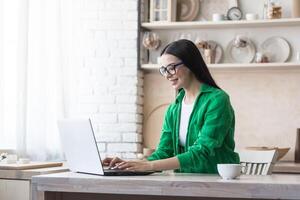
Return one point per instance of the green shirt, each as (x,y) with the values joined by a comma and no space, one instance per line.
(210,135)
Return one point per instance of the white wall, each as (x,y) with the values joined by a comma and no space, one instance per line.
(109,84)
(266,104)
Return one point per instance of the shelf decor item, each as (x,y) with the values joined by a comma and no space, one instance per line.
(251,16)
(240,50)
(151,40)
(218,17)
(296,8)
(298,56)
(261,58)
(187,10)
(210,50)
(274,10)
(277,48)
(162,10)
(234,13)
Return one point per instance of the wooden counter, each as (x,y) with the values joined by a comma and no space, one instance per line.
(28,173)
(287,167)
(70,185)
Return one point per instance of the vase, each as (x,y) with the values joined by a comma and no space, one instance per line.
(296,8)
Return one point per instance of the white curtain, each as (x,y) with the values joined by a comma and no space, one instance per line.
(34,79)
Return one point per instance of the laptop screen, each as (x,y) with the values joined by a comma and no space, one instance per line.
(79,145)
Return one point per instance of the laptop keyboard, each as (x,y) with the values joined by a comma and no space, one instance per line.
(113,170)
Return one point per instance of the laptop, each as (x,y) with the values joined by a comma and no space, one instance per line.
(81,151)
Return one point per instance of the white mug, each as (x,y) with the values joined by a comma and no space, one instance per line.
(229,171)
(218,17)
(251,16)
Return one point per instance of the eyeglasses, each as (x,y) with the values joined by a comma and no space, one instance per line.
(169,69)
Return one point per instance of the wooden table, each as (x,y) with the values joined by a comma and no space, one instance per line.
(167,186)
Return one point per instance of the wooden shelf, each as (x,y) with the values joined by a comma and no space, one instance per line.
(222,24)
(238,66)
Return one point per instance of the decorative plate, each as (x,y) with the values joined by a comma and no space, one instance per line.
(240,54)
(187,10)
(209,7)
(277,49)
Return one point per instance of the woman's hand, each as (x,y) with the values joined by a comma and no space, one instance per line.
(135,165)
(112,162)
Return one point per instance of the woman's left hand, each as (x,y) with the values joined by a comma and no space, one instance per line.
(136,165)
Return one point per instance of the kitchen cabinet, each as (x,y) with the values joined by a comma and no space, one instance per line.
(16,184)
(14,189)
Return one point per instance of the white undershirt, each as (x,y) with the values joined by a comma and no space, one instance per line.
(186,110)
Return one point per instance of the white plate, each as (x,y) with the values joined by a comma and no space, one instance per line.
(187,9)
(277,49)
(209,7)
(241,54)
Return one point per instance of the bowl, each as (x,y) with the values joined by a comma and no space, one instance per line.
(229,171)
(281,151)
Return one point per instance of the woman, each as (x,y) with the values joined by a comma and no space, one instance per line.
(198,128)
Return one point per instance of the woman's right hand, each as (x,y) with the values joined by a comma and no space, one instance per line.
(111,162)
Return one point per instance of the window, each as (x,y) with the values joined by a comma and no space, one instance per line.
(34,44)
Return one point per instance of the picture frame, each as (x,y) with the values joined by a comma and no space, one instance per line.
(162,10)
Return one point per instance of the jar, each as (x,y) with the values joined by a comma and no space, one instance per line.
(274,9)
(265,59)
(258,57)
(261,58)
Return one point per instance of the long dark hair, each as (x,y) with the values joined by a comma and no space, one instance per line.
(189,54)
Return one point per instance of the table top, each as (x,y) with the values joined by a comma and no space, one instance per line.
(284,186)
(280,167)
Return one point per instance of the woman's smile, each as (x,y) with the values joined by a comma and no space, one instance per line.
(173,81)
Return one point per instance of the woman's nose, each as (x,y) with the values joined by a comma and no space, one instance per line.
(168,75)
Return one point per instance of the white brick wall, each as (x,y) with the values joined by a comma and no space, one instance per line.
(110,87)
(132,137)
(123,147)
(135,118)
